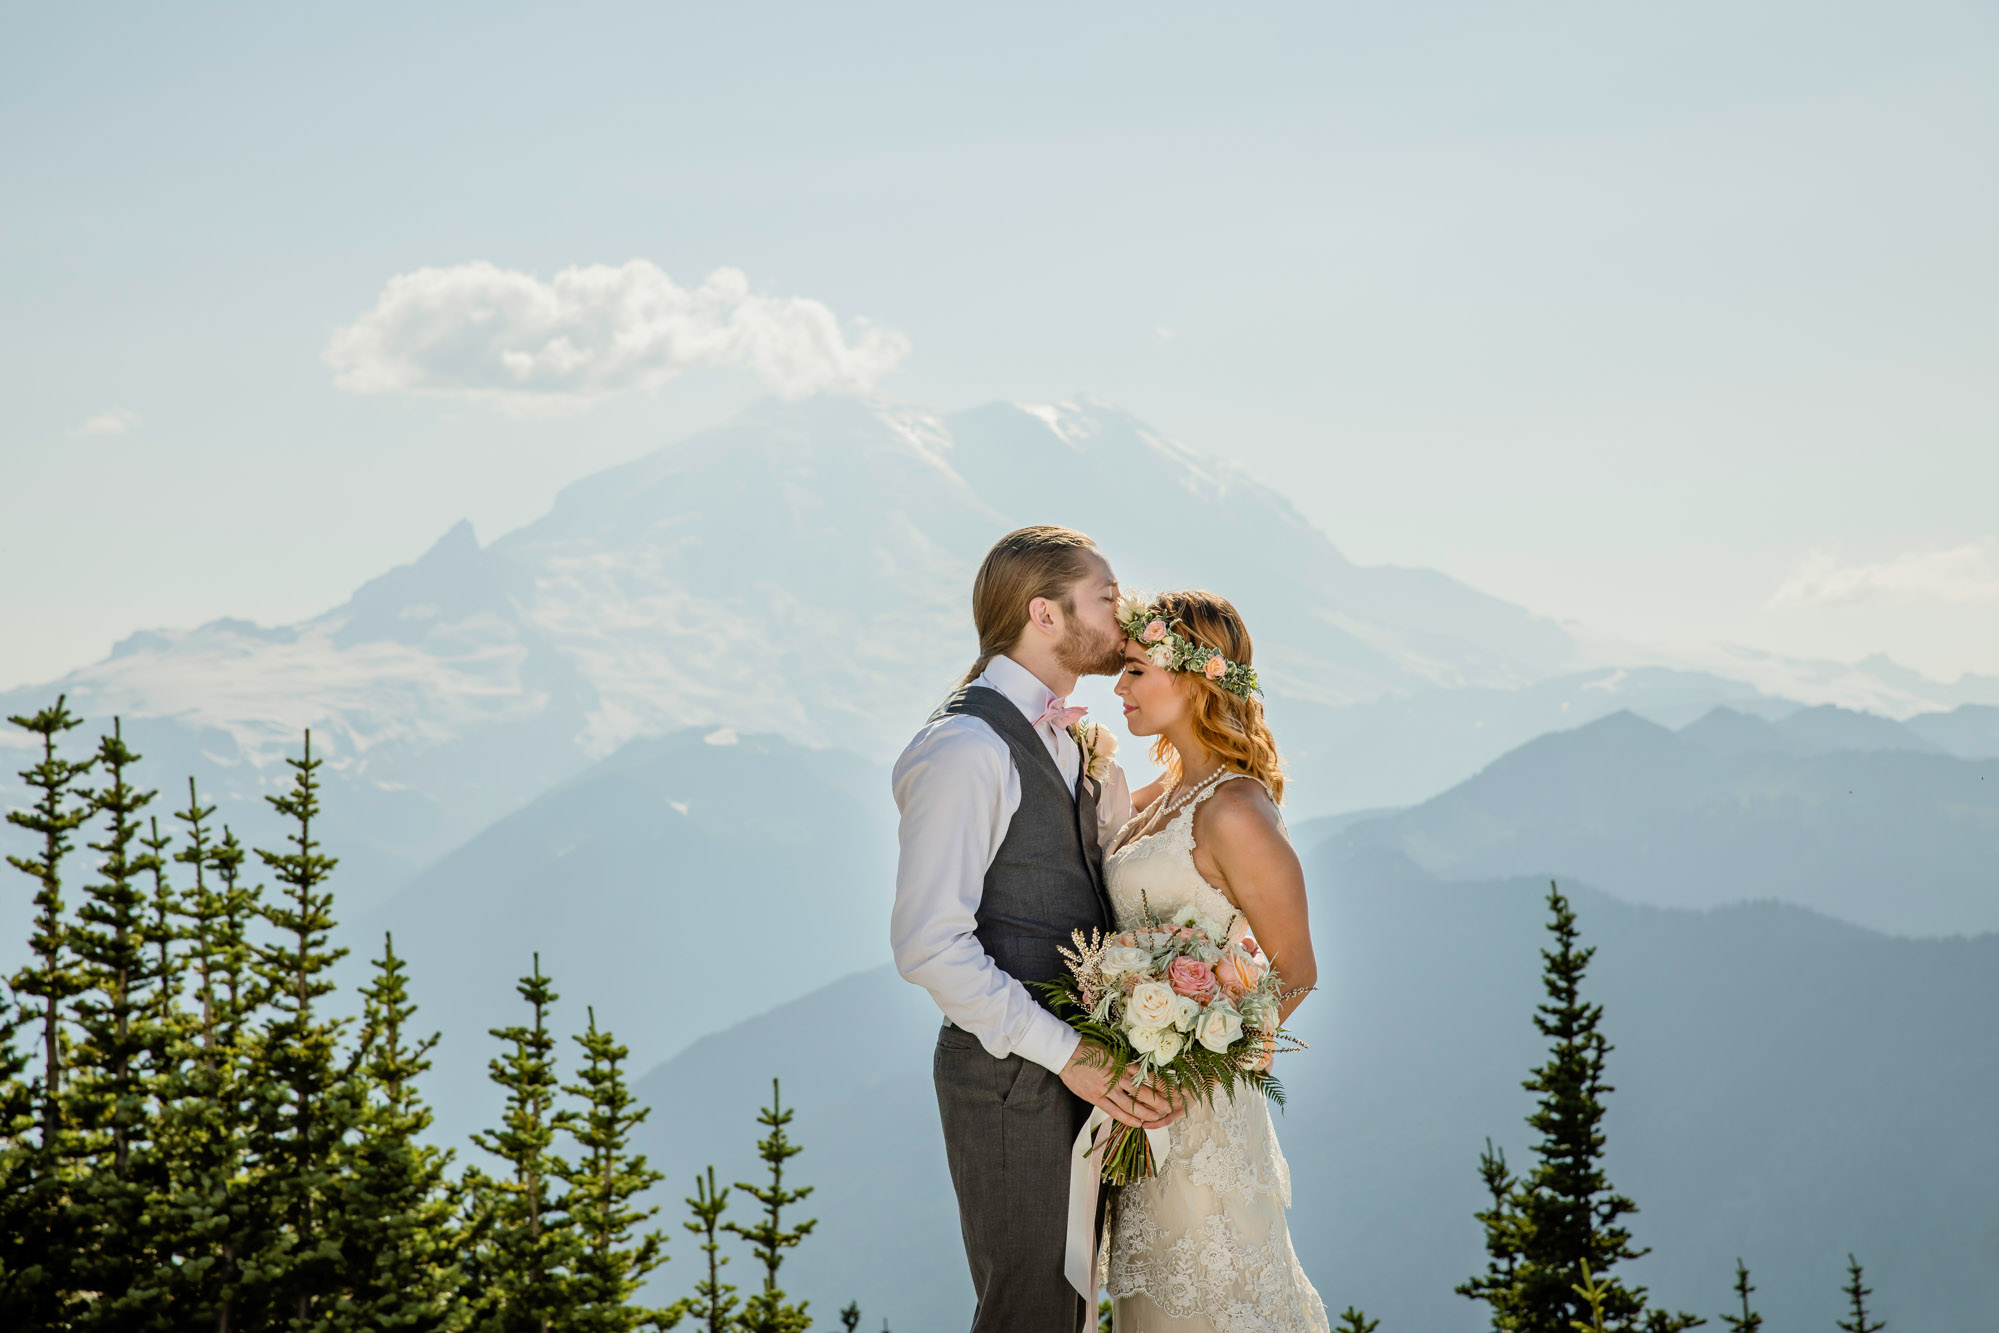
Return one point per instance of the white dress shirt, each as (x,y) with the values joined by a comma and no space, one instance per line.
(957,788)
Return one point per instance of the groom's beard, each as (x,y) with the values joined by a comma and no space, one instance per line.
(1088,656)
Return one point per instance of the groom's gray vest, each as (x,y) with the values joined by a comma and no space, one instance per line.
(1047,879)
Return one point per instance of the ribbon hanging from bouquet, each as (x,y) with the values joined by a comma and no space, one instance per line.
(1079,1263)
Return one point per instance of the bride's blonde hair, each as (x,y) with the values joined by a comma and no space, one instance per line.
(1232,729)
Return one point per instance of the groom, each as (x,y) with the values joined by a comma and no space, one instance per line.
(1002,858)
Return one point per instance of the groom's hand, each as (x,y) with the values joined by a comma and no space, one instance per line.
(1088,1076)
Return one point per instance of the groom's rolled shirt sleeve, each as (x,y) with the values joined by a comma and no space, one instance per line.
(957,792)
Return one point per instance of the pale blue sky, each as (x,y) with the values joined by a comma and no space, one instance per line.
(1635,315)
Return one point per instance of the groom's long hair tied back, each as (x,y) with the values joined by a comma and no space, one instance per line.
(1230,725)
(1042,561)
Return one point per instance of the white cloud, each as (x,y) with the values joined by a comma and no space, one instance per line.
(1965,573)
(480,331)
(115,421)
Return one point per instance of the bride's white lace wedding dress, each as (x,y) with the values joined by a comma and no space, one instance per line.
(1202,1247)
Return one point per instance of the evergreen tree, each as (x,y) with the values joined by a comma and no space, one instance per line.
(298,1130)
(1355,1321)
(1503,1233)
(1748,1321)
(233,989)
(24,1289)
(58,812)
(766,1311)
(1856,1295)
(34,1242)
(602,1187)
(714,1300)
(163,931)
(167,1028)
(207,1095)
(399,1259)
(521,1274)
(108,1094)
(1545,1226)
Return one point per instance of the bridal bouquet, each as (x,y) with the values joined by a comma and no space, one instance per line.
(1191,1005)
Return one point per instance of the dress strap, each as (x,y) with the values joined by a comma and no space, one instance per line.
(1212,785)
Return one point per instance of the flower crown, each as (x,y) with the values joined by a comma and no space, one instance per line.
(1171,650)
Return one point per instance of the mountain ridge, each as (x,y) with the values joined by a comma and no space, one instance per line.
(1852,815)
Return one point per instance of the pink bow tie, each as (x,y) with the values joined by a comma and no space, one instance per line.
(1059,715)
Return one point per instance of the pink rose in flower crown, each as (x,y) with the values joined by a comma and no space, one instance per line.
(1238,974)
(1215,668)
(1154,632)
(1192,978)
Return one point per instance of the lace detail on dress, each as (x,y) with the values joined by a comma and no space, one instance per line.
(1229,1154)
(1203,1245)
(1159,868)
(1235,1279)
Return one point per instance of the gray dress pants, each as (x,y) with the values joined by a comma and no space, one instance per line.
(1008,1128)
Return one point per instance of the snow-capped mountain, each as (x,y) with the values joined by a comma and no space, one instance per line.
(803,569)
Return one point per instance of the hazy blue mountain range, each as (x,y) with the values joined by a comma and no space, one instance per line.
(678,886)
(1856,816)
(1788,1088)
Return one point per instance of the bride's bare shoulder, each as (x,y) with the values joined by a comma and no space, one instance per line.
(1241,816)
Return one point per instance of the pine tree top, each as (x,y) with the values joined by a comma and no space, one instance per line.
(52,778)
(1857,1292)
(1748,1321)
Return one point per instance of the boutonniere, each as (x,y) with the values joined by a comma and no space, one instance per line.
(1098,746)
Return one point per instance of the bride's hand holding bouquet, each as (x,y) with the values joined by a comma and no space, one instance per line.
(1185,1006)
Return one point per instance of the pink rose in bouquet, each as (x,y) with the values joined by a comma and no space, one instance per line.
(1191,977)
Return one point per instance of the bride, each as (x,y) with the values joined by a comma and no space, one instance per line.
(1202,1247)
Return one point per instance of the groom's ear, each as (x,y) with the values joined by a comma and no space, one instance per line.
(1045,614)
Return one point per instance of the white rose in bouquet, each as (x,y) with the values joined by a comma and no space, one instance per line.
(1185,1011)
(1168,1046)
(1122,958)
(1207,926)
(1151,1004)
(1219,1028)
(1145,1040)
